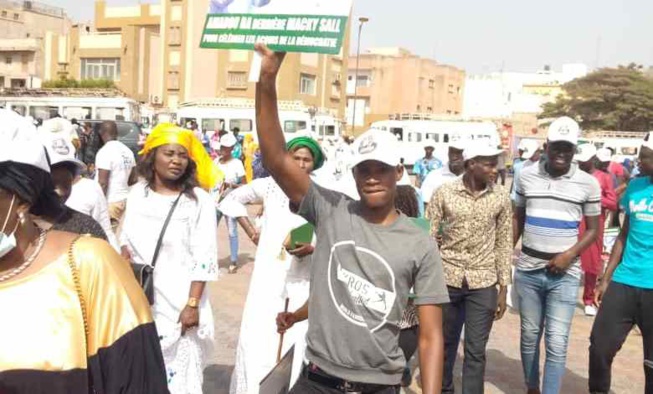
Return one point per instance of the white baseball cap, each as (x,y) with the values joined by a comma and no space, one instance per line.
(19,142)
(564,129)
(480,148)
(459,144)
(528,148)
(428,143)
(585,153)
(228,140)
(522,144)
(376,145)
(56,125)
(61,151)
(604,155)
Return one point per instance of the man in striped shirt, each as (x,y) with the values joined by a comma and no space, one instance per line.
(552,199)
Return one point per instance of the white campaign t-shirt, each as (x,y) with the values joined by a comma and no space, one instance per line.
(87,197)
(117,158)
(232,170)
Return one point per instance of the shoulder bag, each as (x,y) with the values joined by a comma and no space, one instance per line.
(145,273)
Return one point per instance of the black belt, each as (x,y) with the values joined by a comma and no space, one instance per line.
(313,373)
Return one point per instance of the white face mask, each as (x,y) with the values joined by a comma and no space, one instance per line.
(8,242)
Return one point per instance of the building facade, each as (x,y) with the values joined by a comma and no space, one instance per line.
(394,81)
(23,28)
(517,97)
(152,53)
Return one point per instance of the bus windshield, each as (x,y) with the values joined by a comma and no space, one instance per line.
(43,112)
(293,126)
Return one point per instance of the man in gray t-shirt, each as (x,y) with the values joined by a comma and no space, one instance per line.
(367,258)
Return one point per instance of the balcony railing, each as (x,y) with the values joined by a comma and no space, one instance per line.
(33,6)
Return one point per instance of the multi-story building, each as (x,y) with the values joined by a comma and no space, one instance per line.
(393,81)
(23,28)
(152,52)
(517,97)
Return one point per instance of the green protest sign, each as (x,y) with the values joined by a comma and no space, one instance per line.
(316,26)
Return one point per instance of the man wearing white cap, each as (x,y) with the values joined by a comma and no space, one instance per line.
(116,170)
(530,154)
(454,168)
(476,254)
(234,172)
(618,176)
(552,199)
(367,257)
(625,294)
(595,163)
(427,163)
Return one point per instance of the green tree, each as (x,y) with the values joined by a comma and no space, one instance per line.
(69,83)
(607,99)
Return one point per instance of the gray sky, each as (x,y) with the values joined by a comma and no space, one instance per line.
(482,36)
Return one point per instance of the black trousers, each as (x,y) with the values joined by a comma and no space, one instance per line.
(622,308)
(476,310)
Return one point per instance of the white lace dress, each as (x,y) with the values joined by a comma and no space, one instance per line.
(188,253)
(276,275)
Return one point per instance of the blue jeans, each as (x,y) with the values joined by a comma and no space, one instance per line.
(232,228)
(546,305)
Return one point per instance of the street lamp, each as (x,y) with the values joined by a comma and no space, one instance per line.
(361,21)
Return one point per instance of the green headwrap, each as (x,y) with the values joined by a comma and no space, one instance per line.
(310,144)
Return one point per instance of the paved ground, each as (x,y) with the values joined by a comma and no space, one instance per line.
(503,373)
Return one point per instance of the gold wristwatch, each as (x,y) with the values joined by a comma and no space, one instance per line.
(193,302)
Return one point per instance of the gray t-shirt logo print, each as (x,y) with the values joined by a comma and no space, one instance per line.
(367,145)
(362,300)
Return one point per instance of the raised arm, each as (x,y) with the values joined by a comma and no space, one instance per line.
(293,181)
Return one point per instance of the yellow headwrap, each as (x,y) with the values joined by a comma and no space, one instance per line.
(208,174)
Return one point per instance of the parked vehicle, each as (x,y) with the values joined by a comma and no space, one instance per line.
(228,114)
(80,104)
(624,148)
(413,134)
(129,133)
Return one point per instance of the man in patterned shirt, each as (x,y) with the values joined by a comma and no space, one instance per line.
(476,251)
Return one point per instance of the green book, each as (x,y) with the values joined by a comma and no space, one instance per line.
(302,234)
(423,224)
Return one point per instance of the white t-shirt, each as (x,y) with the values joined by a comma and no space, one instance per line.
(87,197)
(233,169)
(117,158)
(434,180)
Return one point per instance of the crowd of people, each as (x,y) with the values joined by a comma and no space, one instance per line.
(386,268)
